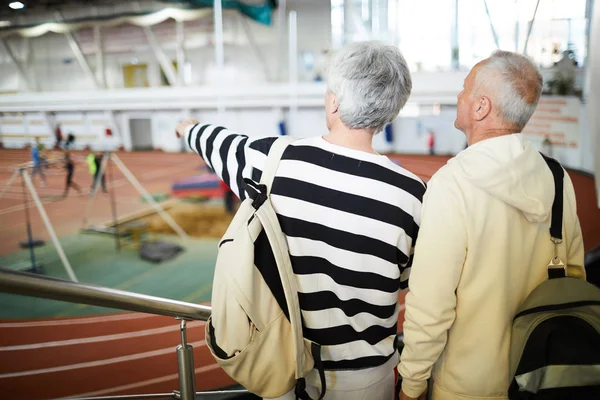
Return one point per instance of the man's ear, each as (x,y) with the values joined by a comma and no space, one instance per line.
(335,105)
(483,109)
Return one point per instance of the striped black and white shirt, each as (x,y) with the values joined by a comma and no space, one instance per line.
(351,219)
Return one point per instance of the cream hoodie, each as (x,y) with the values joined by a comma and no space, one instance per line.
(483,246)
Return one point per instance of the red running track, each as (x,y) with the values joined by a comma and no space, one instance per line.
(105,355)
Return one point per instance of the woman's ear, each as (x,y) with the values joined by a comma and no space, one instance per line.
(332,103)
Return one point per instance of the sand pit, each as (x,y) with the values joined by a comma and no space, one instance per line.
(197,220)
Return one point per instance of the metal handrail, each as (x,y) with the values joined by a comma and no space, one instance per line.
(26,284)
(57,289)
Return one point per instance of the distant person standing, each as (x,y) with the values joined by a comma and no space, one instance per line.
(95,164)
(431,142)
(37,162)
(70,168)
(58,136)
(43,155)
(228,197)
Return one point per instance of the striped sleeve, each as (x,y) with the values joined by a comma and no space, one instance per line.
(230,155)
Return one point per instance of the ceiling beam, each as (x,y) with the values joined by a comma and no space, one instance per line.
(161,57)
(20,69)
(78,54)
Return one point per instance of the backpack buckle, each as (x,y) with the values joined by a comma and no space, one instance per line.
(257,192)
(260,198)
(556,268)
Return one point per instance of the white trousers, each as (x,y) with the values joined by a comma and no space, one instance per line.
(382,390)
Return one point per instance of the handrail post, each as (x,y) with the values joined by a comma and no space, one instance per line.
(185,363)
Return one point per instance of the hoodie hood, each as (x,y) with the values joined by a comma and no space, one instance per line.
(511,170)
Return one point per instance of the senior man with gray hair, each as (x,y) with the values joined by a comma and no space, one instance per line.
(350,217)
(484,243)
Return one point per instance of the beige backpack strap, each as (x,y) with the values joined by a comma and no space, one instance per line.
(270,224)
(277,149)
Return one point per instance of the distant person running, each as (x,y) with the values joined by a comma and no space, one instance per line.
(37,162)
(70,141)
(70,167)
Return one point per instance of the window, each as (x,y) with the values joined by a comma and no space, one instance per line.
(424,30)
(559,25)
(135,75)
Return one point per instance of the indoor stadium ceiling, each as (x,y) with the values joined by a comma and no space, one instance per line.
(44,6)
(89,8)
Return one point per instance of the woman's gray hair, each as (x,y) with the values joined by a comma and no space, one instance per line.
(516,84)
(372,83)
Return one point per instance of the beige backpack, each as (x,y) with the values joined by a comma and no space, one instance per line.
(255,330)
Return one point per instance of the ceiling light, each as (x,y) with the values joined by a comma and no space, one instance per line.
(16,5)
(4,24)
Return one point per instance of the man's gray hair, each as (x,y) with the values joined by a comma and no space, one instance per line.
(516,84)
(372,83)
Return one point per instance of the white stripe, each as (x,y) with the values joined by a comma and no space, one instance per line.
(136,385)
(383,161)
(255,158)
(357,349)
(77,321)
(203,139)
(191,138)
(104,338)
(330,317)
(247,171)
(320,282)
(352,184)
(341,220)
(232,164)
(99,363)
(215,157)
(343,258)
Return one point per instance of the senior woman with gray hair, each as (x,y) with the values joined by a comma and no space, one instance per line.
(350,217)
(486,214)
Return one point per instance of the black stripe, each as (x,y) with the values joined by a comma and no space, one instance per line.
(210,142)
(345,334)
(240,155)
(226,240)
(323,300)
(199,149)
(357,363)
(189,139)
(223,152)
(263,145)
(351,203)
(352,166)
(404,283)
(307,265)
(293,227)
(264,260)
(556,307)
(219,352)
(256,174)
